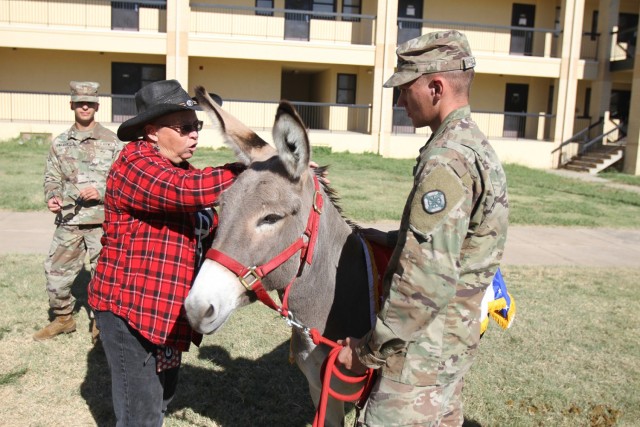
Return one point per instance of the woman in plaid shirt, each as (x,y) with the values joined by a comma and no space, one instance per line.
(159,219)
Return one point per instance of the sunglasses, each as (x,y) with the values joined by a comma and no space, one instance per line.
(186,128)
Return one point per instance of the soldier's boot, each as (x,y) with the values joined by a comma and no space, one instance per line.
(63,324)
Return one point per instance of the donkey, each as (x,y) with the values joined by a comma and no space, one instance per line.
(261,215)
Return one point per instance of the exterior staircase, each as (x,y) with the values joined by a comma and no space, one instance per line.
(596,159)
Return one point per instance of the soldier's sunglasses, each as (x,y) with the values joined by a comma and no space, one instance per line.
(185,128)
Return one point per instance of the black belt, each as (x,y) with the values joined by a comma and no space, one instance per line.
(88,226)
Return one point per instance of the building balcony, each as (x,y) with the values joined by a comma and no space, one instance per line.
(234,31)
(40,107)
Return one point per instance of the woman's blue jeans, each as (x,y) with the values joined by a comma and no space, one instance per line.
(140,395)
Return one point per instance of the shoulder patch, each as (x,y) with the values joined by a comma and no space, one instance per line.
(439,192)
(434,201)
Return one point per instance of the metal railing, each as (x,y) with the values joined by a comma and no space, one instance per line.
(494,124)
(586,141)
(282,24)
(589,45)
(145,15)
(259,115)
(624,44)
(497,39)
(41,107)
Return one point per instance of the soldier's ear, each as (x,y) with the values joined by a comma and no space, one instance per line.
(437,85)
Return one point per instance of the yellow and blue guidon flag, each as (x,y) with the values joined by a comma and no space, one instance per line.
(498,304)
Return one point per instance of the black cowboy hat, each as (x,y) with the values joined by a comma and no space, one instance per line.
(155,100)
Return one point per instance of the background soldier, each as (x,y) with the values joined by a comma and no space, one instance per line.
(448,248)
(74,184)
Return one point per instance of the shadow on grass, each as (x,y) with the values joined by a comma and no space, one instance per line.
(96,387)
(243,392)
(235,392)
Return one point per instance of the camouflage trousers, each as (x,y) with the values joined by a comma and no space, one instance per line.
(67,253)
(393,404)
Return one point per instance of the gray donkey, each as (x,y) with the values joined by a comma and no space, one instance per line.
(262,215)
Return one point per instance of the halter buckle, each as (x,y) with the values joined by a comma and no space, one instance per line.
(317,202)
(250,273)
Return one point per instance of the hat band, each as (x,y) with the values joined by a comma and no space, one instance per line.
(188,103)
(439,66)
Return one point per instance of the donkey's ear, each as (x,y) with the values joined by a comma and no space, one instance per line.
(291,139)
(246,144)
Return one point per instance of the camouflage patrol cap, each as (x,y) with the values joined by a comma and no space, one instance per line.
(431,53)
(84,91)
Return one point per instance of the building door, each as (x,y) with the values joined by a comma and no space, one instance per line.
(619,108)
(296,24)
(522,15)
(126,80)
(407,28)
(628,32)
(298,86)
(124,16)
(515,102)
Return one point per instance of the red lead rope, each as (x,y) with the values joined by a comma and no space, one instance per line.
(251,279)
(330,368)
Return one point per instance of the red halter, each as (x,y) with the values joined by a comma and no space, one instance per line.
(251,277)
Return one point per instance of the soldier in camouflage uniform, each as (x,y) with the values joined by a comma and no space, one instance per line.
(74,184)
(447,250)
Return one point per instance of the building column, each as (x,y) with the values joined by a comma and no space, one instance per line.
(385,62)
(178,41)
(601,87)
(572,18)
(631,152)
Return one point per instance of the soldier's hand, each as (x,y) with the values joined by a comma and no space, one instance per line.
(54,204)
(89,193)
(348,356)
(324,171)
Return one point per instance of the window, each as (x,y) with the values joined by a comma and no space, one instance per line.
(327,6)
(346,89)
(587,102)
(351,7)
(264,4)
(126,79)
(594,26)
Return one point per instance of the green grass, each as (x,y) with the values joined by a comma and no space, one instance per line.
(540,198)
(570,359)
(622,178)
(372,188)
(22,175)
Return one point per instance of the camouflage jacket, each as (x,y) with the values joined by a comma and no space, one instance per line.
(77,160)
(450,243)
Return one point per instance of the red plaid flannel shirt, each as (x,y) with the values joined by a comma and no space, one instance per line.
(148,261)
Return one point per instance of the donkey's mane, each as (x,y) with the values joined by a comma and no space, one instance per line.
(334,198)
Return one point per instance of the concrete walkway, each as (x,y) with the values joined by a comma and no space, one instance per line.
(31,232)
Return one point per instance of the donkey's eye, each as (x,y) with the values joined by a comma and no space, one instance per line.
(270,219)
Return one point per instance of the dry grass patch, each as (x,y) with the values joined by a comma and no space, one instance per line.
(570,359)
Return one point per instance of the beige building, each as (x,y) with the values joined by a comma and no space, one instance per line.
(555,79)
